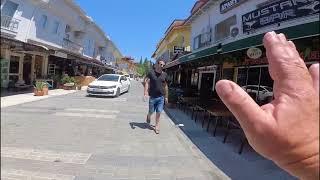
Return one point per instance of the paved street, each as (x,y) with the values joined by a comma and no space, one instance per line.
(77,137)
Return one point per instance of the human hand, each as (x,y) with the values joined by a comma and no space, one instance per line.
(166,101)
(145,98)
(287,129)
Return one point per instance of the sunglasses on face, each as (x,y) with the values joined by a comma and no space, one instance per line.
(161,64)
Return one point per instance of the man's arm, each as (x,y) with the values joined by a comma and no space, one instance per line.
(166,92)
(146,86)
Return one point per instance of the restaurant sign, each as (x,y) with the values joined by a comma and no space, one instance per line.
(282,10)
(254,53)
(227,5)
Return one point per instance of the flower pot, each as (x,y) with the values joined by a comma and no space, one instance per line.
(38,92)
(45,90)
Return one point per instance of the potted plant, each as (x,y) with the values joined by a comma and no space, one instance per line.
(68,82)
(45,88)
(38,88)
(57,81)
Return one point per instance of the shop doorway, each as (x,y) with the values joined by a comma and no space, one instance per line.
(206,90)
(14,70)
(27,63)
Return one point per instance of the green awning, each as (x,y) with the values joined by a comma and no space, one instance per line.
(294,32)
(200,54)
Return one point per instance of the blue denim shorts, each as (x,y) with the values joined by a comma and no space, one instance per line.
(156,104)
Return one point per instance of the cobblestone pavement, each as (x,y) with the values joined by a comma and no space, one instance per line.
(74,137)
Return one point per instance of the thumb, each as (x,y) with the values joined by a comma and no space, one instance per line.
(243,107)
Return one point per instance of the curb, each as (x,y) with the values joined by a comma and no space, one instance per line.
(10,103)
(216,173)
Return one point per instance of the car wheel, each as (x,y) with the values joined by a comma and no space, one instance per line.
(118,92)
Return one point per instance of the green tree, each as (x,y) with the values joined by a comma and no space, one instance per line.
(141,60)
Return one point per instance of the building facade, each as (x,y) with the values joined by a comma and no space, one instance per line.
(126,65)
(226,40)
(174,44)
(41,39)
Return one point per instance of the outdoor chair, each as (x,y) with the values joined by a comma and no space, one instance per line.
(232,125)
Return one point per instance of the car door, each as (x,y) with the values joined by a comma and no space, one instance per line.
(126,83)
(122,84)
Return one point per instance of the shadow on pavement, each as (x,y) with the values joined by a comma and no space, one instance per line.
(5,92)
(245,166)
(133,125)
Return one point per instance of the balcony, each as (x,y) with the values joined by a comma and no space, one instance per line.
(72,46)
(10,24)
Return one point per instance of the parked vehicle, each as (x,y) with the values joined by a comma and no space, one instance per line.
(262,93)
(109,85)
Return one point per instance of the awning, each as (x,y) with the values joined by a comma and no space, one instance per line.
(199,54)
(24,47)
(172,63)
(295,32)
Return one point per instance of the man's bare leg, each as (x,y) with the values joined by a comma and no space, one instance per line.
(149,115)
(157,126)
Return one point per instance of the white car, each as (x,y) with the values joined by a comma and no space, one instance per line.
(264,92)
(109,85)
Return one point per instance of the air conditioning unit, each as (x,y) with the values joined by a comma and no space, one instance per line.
(234,31)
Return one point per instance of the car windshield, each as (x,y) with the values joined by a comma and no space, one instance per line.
(113,78)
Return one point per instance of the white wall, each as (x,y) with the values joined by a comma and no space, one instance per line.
(30,28)
(24,14)
(212,16)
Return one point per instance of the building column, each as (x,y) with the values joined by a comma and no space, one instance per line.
(21,59)
(7,54)
(33,62)
(45,65)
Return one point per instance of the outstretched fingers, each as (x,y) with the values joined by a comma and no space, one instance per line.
(243,107)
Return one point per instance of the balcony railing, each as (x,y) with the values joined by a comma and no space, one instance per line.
(9,23)
(72,46)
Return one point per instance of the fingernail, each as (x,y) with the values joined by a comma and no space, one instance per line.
(270,34)
(223,88)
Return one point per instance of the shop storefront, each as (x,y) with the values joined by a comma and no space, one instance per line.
(22,63)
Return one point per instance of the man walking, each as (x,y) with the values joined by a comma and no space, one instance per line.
(156,87)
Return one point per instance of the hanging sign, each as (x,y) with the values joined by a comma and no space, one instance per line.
(227,5)
(254,53)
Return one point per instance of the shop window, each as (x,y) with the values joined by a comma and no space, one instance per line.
(222,30)
(266,79)
(14,65)
(194,78)
(196,42)
(228,73)
(253,75)
(9,8)
(242,76)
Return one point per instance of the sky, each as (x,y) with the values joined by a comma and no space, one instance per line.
(136,26)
